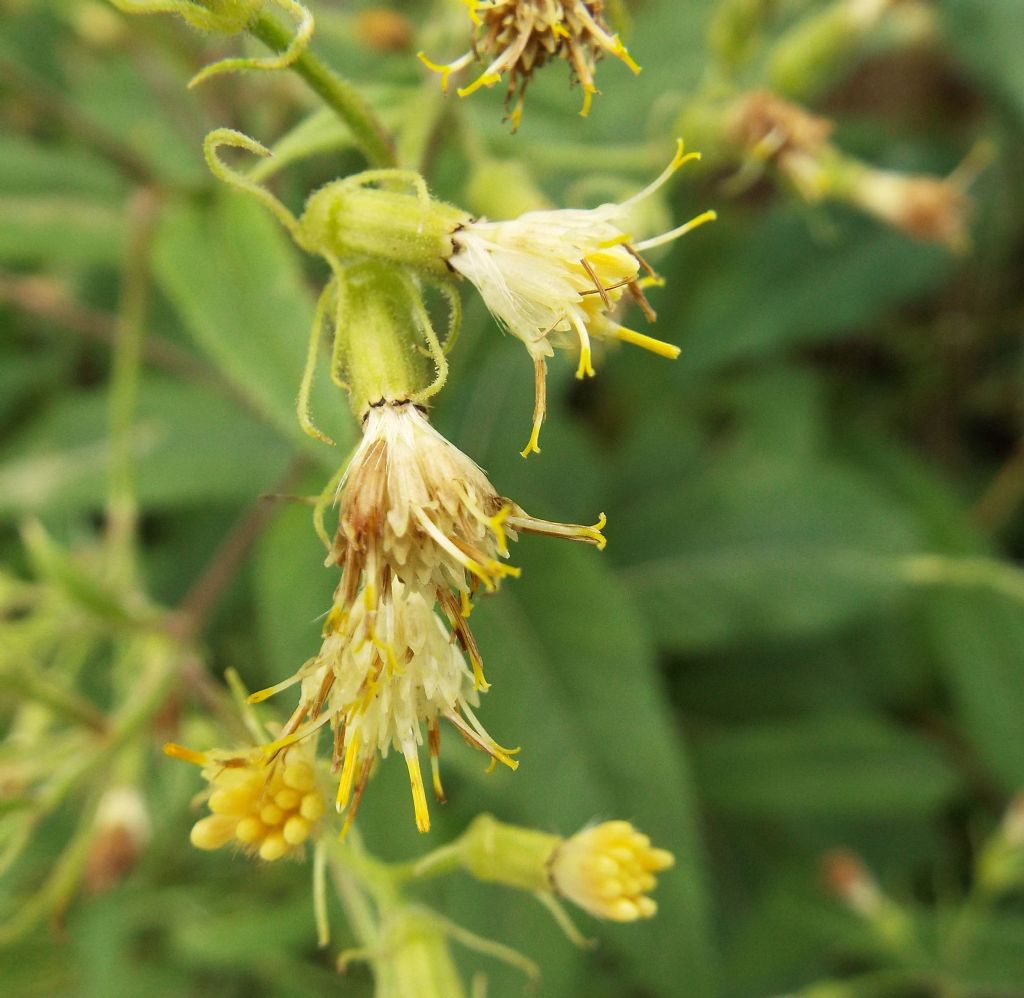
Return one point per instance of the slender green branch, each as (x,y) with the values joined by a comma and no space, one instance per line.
(124,384)
(348,104)
(30,683)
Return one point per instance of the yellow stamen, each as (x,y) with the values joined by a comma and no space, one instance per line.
(186,754)
(588,100)
(419,796)
(571,531)
(667,237)
(496,523)
(660,347)
(445,69)
(260,695)
(540,405)
(585,367)
(619,50)
(484,80)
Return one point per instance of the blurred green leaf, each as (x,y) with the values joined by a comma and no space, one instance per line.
(977,639)
(293,592)
(785,285)
(745,552)
(192,447)
(986,34)
(59,229)
(28,167)
(830,765)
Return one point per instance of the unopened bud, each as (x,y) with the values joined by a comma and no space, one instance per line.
(773,127)
(379,331)
(928,208)
(607,869)
(384,30)
(847,877)
(122,831)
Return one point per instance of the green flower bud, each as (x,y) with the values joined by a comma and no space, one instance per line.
(349,218)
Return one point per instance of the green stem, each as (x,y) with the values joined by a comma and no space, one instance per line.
(63,879)
(370,134)
(122,510)
(352,893)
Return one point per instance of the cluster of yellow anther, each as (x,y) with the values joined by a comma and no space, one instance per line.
(267,806)
(609,870)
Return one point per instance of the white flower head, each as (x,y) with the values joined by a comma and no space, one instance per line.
(556,277)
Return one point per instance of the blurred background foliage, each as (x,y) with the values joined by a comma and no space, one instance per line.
(806,633)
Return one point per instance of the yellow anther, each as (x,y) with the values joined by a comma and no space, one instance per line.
(479,681)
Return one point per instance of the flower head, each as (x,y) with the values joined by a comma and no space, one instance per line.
(609,870)
(267,802)
(520,36)
(556,277)
(412,506)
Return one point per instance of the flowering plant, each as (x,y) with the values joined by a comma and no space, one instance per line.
(302,694)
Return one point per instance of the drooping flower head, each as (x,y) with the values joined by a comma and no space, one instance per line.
(556,277)
(609,871)
(266,802)
(412,506)
(521,36)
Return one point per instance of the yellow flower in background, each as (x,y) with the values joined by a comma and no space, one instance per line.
(609,871)
(266,802)
(556,278)
(521,36)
